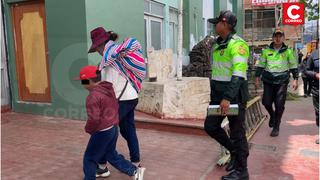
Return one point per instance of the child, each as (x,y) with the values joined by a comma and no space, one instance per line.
(103,118)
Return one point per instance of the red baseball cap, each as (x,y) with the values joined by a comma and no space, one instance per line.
(87,72)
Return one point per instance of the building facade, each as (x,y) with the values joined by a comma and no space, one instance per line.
(260,22)
(47,43)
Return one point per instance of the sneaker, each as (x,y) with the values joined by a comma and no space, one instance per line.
(138,175)
(137,164)
(102,173)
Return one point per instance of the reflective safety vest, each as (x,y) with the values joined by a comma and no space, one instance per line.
(278,61)
(230,59)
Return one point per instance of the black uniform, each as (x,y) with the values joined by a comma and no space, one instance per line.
(275,85)
(234,90)
(312,69)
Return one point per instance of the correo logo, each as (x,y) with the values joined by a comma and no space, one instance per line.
(290,12)
(293,13)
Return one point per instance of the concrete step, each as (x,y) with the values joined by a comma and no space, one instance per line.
(184,126)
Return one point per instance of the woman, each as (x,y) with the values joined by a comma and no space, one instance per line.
(122,65)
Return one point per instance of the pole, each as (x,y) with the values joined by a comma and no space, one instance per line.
(180,39)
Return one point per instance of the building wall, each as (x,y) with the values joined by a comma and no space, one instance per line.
(208,12)
(193,24)
(168,4)
(212,8)
(292,33)
(122,16)
(238,9)
(68,25)
(66,37)
(5,89)
(236,6)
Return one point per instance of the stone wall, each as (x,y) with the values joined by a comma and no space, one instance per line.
(160,64)
(188,98)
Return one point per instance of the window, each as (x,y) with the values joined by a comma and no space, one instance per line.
(153,32)
(153,24)
(210,28)
(248,19)
(153,8)
(173,29)
(265,18)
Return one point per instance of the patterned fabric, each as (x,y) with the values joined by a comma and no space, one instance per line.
(132,66)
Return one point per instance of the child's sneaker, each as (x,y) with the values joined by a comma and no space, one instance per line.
(138,175)
(102,173)
(137,164)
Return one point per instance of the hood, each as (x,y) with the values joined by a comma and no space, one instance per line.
(105,88)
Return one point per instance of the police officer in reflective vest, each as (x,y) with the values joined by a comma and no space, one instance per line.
(275,65)
(229,86)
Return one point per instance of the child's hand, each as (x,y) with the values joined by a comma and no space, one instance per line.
(122,54)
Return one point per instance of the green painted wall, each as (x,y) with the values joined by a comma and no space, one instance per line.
(122,16)
(67,45)
(192,23)
(166,30)
(68,26)
(186,26)
(237,9)
(216,8)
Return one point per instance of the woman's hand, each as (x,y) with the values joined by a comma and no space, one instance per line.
(224,107)
(295,84)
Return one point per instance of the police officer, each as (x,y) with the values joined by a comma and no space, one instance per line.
(312,72)
(275,65)
(229,86)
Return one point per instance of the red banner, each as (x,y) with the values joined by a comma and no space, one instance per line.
(271,2)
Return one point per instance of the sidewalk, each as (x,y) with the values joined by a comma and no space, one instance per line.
(293,155)
(45,148)
(42,148)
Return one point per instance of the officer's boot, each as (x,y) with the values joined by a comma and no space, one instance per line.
(271,120)
(240,171)
(232,164)
(237,175)
(276,128)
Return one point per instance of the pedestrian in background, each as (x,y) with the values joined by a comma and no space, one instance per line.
(305,79)
(300,55)
(275,65)
(312,72)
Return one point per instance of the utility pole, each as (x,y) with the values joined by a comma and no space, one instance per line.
(180,39)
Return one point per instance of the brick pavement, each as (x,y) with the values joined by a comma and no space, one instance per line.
(293,155)
(45,148)
(36,147)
